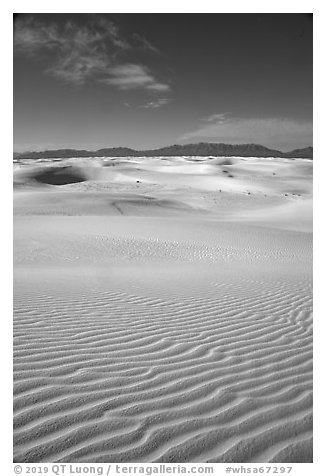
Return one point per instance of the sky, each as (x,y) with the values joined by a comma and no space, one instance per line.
(145,81)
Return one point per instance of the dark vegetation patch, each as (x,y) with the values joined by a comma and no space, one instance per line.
(225,161)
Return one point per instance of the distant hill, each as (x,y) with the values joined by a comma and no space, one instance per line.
(300,153)
(207,149)
(202,149)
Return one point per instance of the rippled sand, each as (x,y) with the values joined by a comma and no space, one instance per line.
(163,311)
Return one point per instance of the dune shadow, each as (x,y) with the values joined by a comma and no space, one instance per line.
(59,176)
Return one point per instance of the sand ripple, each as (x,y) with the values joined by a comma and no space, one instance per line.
(111,376)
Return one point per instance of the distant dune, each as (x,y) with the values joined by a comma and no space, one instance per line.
(163,310)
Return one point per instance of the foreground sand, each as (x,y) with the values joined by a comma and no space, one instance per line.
(163,311)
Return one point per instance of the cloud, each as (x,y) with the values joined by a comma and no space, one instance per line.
(77,68)
(31,35)
(141,42)
(78,53)
(279,133)
(81,53)
(134,76)
(156,104)
(219,118)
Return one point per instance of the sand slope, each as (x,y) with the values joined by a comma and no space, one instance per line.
(163,320)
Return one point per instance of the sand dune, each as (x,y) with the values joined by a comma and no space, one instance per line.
(163,311)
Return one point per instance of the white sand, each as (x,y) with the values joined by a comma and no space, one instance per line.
(168,320)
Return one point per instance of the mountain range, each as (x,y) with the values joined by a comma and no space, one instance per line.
(204,149)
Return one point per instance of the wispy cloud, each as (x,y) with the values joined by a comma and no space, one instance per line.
(77,68)
(141,42)
(134,76)
(279,133)
(156,104)
(96,52)
(78,53)
(31,35)
(216,118)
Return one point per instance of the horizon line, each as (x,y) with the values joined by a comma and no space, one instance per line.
(158,148)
